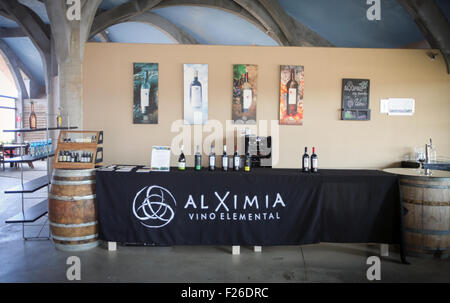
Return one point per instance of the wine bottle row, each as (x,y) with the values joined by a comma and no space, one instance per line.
(310,164)
(75,156)
(90,139)
(234,163)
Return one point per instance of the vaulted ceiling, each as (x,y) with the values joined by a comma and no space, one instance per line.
(326,22)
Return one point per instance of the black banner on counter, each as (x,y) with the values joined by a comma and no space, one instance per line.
(263,207)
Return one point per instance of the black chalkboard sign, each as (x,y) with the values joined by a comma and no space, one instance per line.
(355,99)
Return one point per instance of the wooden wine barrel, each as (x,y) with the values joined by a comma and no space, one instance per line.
(72,209)
(427,222)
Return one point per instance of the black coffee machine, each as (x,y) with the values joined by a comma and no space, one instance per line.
(260,149)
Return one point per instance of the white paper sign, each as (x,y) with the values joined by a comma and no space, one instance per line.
(160,158)
(401,107)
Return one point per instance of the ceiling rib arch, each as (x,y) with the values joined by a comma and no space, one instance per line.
(128,10)
(227,6)
(296,32)
(171,30)
(120,14)
(260,13)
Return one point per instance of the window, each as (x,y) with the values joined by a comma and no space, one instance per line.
(7,118)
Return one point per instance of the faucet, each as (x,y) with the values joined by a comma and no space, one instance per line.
(428,148)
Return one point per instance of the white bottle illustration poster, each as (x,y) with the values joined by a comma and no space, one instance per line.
(195,93)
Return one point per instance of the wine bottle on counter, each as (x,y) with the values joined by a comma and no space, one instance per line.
(60,156)
(236,159)
(198,159)
(314,161)
(212,159)
(224,159)
(182,160)
(248,162)
(305,162)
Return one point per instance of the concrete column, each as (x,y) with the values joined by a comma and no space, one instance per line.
(70,81)
(69,37)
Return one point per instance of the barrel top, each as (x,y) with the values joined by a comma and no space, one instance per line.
(73,172)
(413,172)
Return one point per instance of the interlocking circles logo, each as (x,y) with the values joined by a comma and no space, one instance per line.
(152,206)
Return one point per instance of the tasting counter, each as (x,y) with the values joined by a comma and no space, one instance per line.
(263,207)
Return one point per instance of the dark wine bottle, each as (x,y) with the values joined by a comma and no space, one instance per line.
(182,160)
(292,93)
(236,159)
(314,161)
(248,162)
(33,119)
(212,159)
(305,161)
(224,159)
(198,159)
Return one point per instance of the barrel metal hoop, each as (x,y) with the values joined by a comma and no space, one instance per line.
(73,225)
(425,178)
(428,231)
(74,173)
(73,183)
(76,247)
(75,238)
(425,186)
(427,203)
(72,198)
(428,248)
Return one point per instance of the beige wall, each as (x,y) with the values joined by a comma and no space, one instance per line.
(378,143)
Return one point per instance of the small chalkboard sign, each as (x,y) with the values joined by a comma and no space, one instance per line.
(355,99)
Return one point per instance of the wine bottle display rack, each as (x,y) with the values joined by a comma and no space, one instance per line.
(38,150)
(79,150)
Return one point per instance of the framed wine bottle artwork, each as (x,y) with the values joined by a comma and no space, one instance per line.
(145,93)
(291,94)
(195,93)
(245,78)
